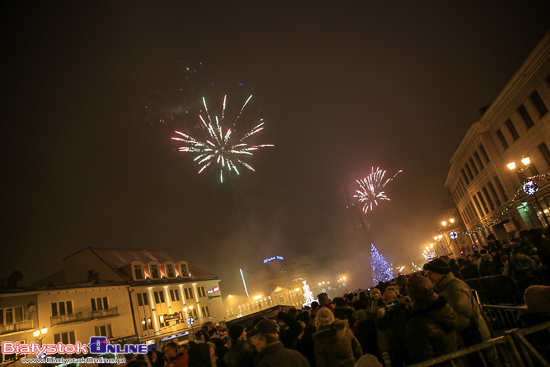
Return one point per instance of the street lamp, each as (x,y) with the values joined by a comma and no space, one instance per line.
(40,334)
(521,170)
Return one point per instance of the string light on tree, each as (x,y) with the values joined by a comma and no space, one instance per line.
(381,271)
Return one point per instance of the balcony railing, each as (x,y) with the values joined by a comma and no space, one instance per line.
(17,326)
(84,315)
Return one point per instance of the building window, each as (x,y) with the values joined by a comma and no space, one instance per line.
(486,193)
(512,129)
(138,272)
(170,270)
(104,330)
(545,153)
(500,188)
(539,104)
(62,308)
(469,172)
(154,269)
(188,293)
(478,159)
(494,193)
(483,204)
(525,116)
(99,304)
(207,312)
(502,139)
(203,312)
(201,292)
(183,269)
(143,324)
(477,205)
(65,338)
(484,154)
(474,168)
(174,295)
(533,169)
(139,299)
(159,297)
(11,315)
(161,321)
(465,177)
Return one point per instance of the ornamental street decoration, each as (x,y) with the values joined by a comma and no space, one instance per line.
(530,187)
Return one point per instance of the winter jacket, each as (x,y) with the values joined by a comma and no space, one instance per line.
(276,355)
(336,346)
(240,354)
(431,330)
(459,296)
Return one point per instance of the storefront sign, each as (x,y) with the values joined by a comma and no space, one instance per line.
(510,227)
(174,316)
(213,290)
(273,258)
(174,336)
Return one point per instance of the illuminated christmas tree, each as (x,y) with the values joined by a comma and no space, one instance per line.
(381,271)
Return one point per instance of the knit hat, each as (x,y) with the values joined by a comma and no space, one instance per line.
(304,317)
(419,287)
(486,257)
(264,327)
(235,331)
(537,298)
(324,317)
(437,266)
(401,280)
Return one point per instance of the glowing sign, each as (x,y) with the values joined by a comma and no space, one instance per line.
(214,290)
(273,258)
(453,235)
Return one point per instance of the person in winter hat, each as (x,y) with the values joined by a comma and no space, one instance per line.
(334,343)
(471,324)
(431,330)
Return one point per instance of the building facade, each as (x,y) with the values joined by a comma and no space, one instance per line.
(515,126)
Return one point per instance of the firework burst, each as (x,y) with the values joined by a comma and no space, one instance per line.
(372,188)
(222,147)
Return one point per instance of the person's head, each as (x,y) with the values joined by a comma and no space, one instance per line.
(491,238)
(184,348)
(389,296)
(314,305)
(401,281)
(323,299)
(339,302)
(171,350)
(324,317)
(263,334)
(436,269)
(537,298)
(237,332)
(200,355)
(375,293)
(419,287)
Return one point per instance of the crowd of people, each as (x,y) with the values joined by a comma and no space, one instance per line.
(410,319)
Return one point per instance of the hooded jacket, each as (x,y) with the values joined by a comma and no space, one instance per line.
(336,346)
(431,330)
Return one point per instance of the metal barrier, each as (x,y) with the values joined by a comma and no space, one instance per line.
(502,318)
(517,350)
(496,289)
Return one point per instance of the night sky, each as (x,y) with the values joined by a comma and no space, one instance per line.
(93,92)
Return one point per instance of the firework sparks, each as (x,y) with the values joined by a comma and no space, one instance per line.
(372,188)
(221,147)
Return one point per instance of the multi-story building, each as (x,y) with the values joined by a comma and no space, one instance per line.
(168,297)
(128,296)
(18,319)
(516,125)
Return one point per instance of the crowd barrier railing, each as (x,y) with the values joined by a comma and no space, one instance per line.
(513,346)
(496,289)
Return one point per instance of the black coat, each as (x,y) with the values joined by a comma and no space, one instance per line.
(431,330)
(275,355)
(240,354)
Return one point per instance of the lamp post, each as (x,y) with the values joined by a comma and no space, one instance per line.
(40,334)
(526,161)
(447,226)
